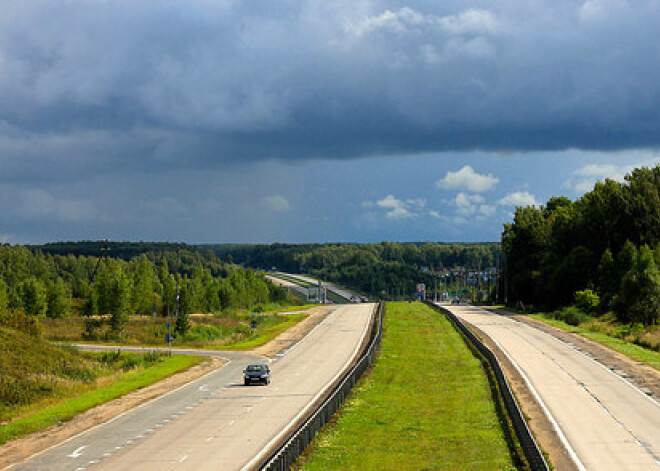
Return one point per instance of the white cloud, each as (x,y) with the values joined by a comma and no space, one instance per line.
(472,205)
(467,178)
(398,209)
(519,198)
(276,203)
(586,177)
(406,20)
(472,21)
(594,10)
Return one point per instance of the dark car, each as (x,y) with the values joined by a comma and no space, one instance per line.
(456,301)
(256,374)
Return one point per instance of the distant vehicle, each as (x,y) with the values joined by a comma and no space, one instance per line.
(456,301)
(256,374)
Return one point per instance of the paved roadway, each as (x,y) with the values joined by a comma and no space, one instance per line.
(606,422)
(215,422)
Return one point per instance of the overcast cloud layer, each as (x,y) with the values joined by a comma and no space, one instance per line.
(96,91)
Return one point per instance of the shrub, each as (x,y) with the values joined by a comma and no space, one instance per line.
(572,316)
(587,301)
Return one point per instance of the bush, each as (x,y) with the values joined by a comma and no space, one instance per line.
(587,301)
(572,316)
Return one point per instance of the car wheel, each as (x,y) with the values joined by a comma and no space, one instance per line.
(246,382)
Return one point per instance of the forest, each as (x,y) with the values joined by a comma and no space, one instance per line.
(35,284)
(385,270)
(601,252)
(388,270)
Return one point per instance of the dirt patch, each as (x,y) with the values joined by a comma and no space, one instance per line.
(643,376)
(296,333)
(17,450)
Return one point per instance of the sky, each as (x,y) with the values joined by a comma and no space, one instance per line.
(212,121)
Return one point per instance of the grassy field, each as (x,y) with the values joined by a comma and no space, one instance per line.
(43,384)
(427,404)
(207,330)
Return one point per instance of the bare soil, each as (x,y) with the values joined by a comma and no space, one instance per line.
(641,375)
(17,450)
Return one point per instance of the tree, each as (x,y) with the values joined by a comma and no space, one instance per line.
(57,296)
(640,290)
(119,314)
(143,285)
(608,281)
(33,297)
(182,324)
(4,297)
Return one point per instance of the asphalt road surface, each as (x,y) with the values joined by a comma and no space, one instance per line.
(215,422)
(605,422)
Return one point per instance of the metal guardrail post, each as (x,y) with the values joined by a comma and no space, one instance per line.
(530,448)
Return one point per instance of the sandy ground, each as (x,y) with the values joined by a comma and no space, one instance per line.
(643,376)
(17,450)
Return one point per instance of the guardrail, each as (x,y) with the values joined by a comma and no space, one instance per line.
(289,452)
(532,453)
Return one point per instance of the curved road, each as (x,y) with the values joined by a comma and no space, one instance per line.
(215,422)
(605,421)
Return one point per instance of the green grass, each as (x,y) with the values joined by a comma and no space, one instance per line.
(265,335)
(66,409)
(636,352)
(427,404)
(207,331)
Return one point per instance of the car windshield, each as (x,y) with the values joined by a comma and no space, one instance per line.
(256,368)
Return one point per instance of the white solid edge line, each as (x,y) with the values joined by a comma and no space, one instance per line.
(267,448)
(78,435)
(620,378)
(531,387)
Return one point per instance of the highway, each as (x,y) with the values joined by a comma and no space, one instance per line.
(605,422)
(215,422)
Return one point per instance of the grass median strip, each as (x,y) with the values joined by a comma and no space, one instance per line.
(426,404)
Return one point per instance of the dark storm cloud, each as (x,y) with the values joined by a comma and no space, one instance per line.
(109,86)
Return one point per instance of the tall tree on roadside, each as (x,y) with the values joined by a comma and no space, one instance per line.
(640,289)
(57,296)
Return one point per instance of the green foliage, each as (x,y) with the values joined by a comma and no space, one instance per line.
(18,320)
(4,297)
(563,248)
(33,296)
(571,315)
(182,324)
(587,301)
(156,281)
(57,299)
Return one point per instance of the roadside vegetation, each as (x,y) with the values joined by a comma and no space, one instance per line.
(43,384)
(640,343)
(228,330)
(427,404)
(593,264)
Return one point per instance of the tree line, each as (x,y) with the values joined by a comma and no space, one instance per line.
(164,283)
(607,243)
(380,270)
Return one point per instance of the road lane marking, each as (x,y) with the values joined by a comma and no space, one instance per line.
(532,389)
(77,452)
(184,458)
